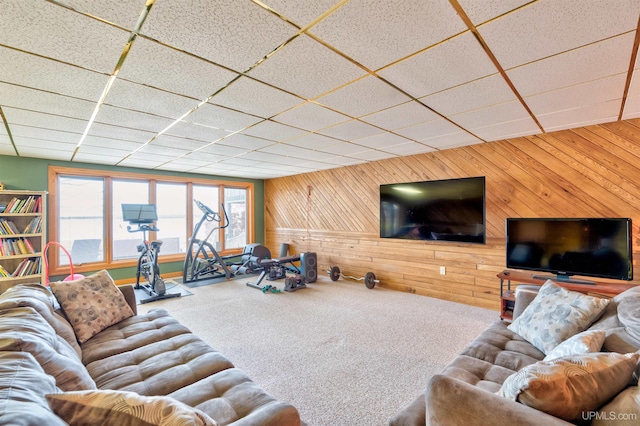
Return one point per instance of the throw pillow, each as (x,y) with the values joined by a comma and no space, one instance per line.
(555,315)
(91,304)
(582,343)
(571,386)
(122,408)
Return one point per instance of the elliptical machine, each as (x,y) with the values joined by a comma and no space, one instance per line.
(202,261)
(144,215)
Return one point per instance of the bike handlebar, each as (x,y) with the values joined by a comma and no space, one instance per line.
(211,215)
(142,228)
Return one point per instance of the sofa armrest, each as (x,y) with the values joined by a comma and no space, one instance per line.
(454,402)
(524,296)
(411,415)
(129,296)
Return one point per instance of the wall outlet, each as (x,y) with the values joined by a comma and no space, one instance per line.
(443,270)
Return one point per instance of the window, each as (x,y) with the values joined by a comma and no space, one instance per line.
(86,215)
(80,224)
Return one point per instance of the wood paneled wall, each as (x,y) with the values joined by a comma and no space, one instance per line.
(585,172)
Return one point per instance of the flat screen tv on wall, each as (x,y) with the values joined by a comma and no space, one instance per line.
(442,210)
(592,247)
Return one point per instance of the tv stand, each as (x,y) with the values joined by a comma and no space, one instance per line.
(563,279)
(507,295)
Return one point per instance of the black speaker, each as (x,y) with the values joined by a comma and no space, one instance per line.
(309,267)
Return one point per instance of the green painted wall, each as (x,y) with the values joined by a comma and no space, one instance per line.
(22,173)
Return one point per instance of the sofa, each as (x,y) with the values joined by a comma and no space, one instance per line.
(83,356)
(567,358)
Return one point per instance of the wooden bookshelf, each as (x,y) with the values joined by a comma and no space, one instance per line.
(22,237)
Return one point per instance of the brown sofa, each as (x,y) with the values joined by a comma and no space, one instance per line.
(48,378)
(467,391)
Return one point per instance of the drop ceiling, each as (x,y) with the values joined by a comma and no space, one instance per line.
(270,88)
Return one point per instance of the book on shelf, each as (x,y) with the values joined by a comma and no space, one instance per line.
(34,227)
(29,266)
(16,246)
(4,272)
(31,204)
(7,227)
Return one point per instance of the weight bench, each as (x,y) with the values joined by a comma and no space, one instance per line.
(268,264)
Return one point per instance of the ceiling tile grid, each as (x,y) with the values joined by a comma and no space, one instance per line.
(269,88)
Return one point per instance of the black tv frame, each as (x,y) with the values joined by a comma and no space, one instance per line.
(447,186)
(566,274)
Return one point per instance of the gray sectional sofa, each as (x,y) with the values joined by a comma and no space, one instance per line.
(480,387)
(142,369)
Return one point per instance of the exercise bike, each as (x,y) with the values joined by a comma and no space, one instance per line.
(202,261)
(143,215)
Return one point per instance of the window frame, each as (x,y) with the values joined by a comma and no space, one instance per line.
(55,172)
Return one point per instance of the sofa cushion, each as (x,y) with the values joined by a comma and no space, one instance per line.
(151,354)
(582,343)
(567,387)
(623,410)
(557,314)
(91,304)
(22,329)
(39,298)
(23,385)
(119,408)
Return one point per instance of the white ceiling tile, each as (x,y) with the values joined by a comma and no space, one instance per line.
(222,150)
(405,115)
(176,167)
(221,118)
(408,148)
(306,68)
(83,157)
(169,151)
(578,66)
(288,151)
(373,155)
(480,11)
(592,92)
(505,130)
(343,148)
(273,131)
(107,144)
(256,98)
(310,117)
(49,75)
(350,130)
(429,22)
(453,62)
(363,97)
(584,116)
(182,143)
(168,69)
(451,140)
(49,103)
(137,97)
(49,154)
(133,119)
(195,131)
(44,135)
(490,90)
(34,145)
(428,130)
(84,41)
(113,153)
(509,111)
(150,157)
(381,140)
(301,12)
(124,13)
(232,33)
(545,28)
(141,162)
(190,161)
(120,133)
(245,142)
(313,141)
(267,157)
(46,121)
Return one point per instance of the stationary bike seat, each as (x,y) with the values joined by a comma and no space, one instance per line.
(156,244)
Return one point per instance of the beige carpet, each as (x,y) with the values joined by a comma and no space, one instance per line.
(340,353)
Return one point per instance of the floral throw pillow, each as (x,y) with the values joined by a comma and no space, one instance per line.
(555,315)
(91,304)
(582,343)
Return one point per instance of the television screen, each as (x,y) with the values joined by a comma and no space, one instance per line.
(443,210)
(139,213)
(591,247)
